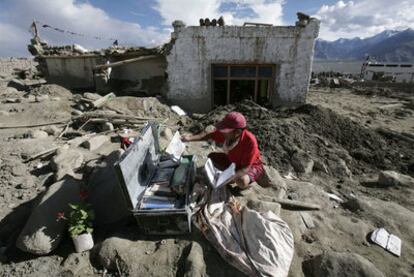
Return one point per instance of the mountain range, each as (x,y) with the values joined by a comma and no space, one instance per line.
(387,46)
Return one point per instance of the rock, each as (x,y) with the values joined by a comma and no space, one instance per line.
(354,205)
(271,178)
(77,112)
(91,96)
(302,162)
(335,264)
(320,166)
(41,98)
(194,264)
(391,178)
(95,142)
(42,232)
(12,100)
(65,162)
(38,134)
(167,133)
(264,206)
(107,126)
(339,168)
(103,185)
(52,130)
(19,170)
(134,257)
(10,90)
(17,84)
(77,264)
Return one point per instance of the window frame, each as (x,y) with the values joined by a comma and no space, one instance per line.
(229,78)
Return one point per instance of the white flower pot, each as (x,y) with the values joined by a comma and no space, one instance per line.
(83,242)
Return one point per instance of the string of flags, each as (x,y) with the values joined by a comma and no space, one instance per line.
(44,25)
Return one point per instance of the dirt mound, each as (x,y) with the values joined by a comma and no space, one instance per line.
(327,137)
(141,106)
(52,90)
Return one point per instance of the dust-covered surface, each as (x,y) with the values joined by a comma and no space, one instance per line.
(338,143)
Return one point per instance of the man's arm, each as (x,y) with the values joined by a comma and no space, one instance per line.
(198,137)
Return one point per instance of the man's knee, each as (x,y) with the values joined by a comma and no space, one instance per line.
(243,182)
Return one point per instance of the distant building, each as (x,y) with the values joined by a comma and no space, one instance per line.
(201,67)
(395,72)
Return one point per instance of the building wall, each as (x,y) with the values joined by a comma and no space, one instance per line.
(196,48)
(73,71)
(7,66)
(146,75)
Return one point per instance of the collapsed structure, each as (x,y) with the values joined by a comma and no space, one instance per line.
(209,65)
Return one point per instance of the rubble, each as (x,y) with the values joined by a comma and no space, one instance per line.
(334,264)
(42,232)
(390,178)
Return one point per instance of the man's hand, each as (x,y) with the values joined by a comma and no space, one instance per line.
(185,138)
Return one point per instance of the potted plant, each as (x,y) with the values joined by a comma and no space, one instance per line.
(80,224)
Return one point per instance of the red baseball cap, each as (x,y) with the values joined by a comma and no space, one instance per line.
(231,121)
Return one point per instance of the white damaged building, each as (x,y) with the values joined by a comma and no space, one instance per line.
(200,68)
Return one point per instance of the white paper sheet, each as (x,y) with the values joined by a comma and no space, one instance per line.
(176,146)
(216,177)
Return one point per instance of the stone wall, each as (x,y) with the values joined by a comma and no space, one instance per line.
(289,48)
(7,66)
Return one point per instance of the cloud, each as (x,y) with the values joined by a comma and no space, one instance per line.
(364,18)
(191,11)
(70,15)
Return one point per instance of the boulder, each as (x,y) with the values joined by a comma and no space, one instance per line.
(65,162)
(42,232)
(302,162)
(52,130)
(95,142)
(77,264)
(133,257)
(272,179)
(17,84)
(41,98)
(107,126)
(264,206)
(91,96)
(335,264)
(194,264)
(105,193)
(338,168)
(391,178)
(38,134)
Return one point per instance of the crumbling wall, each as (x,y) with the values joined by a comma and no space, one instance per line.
(147,76)
(290,48)
(7,66)
(72,71)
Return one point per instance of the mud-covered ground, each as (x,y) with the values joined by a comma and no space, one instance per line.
(347,137)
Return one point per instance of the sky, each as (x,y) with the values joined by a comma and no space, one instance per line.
(148,22)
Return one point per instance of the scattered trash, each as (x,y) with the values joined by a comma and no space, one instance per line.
(388,241)
(178,110)
(307,219)
(334,197)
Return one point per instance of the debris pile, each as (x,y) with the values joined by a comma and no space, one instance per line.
(315,137)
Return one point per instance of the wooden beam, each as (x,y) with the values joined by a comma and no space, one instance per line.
(114,64)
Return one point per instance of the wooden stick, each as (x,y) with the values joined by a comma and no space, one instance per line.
(294,203)
(142,58)
(36,125)
(41,154)
(105,115)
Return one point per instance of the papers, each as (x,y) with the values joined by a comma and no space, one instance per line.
(387,241)
(216,177)
(176,146)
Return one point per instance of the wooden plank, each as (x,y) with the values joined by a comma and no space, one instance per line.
(114,64)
